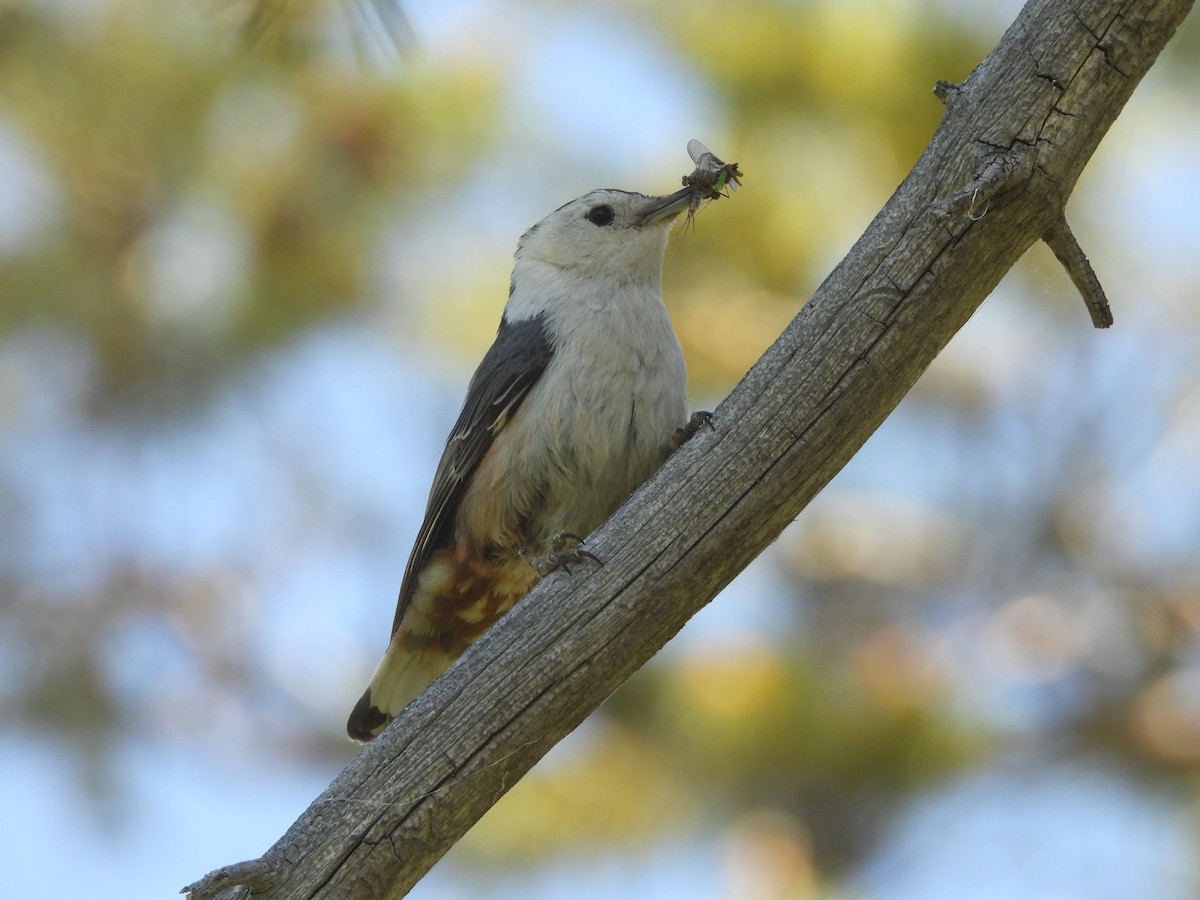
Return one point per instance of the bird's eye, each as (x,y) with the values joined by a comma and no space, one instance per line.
(600,215)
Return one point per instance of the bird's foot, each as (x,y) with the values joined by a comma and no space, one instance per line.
(688,431)
(564,549)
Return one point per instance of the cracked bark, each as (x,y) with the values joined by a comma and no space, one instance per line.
(1041,101)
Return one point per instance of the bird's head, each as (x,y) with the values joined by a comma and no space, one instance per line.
(606,232)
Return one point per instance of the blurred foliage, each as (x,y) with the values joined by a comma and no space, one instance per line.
(212,181)
(162,136)
(805,87)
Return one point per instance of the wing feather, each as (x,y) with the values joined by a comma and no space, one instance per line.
(513,365)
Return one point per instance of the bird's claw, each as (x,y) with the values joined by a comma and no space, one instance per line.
(564,549)
(682,435)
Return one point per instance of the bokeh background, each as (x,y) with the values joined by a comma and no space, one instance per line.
(249,255)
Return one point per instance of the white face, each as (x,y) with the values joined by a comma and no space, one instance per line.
(606,230)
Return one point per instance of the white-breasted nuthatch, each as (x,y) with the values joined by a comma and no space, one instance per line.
(576,403)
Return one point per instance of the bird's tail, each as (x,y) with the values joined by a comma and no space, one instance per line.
(401,676)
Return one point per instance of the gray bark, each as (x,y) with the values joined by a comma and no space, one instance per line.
(994,180)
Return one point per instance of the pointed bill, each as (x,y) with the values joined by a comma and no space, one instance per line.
(665,207)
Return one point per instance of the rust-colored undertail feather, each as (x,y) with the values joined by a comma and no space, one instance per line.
(458,597)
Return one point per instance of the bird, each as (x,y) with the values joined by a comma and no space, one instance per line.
(580,398)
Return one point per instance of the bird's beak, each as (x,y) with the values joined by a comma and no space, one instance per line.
(660,209)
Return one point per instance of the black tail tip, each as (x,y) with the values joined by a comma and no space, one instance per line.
(367,720)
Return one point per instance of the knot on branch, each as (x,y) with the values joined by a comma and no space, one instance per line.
(239,881)
(999,171)
(947,92)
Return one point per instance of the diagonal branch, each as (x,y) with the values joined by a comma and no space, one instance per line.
(1039,103)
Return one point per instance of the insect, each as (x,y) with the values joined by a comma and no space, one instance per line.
(710,178)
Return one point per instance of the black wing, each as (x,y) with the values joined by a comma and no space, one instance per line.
(510,368)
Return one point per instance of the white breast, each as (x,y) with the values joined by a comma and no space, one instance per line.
(601,418)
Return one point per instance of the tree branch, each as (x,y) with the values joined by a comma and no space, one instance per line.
(1018,133)
(1067,251)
